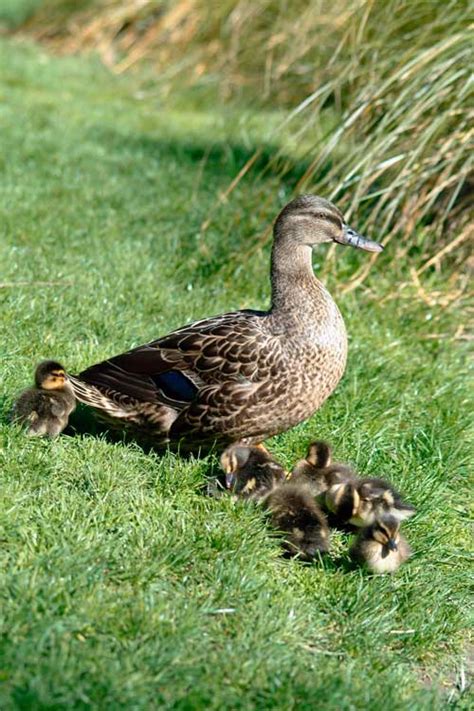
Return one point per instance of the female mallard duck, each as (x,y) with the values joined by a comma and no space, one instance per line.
(244,375)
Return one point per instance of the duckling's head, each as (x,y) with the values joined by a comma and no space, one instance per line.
(233,461)
(386,531)
(343,500)
(250,470)
(378,497)
(310,220)
(319,454)
(50,375)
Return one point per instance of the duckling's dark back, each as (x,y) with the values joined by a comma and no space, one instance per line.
(44,403)
(318,470)
(295,513)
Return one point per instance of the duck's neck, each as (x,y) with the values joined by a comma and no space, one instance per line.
(292,277)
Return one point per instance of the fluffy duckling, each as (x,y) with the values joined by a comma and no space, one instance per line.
(252,473)
(380,547)
(45,408)
(318,471)
(362,501)
(250,470)
(294,513)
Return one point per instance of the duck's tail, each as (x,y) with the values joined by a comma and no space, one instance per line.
(121,412)
(94,397)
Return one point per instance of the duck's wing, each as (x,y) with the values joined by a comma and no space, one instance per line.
(157,381)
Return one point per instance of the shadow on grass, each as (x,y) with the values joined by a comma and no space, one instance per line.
(221,158)
(265,170)
(83,422)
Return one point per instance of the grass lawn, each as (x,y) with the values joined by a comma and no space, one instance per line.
(122,585)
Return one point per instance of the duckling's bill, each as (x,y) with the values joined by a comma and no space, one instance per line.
(230,479)
(354,239)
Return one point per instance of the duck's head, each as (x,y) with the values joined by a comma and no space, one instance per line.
(310,220)
(386,531)
(50,375)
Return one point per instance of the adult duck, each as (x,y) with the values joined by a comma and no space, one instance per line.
(244,375)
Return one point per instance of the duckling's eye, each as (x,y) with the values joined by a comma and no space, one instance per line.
(228,463)
(382,532)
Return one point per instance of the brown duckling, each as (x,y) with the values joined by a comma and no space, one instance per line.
(46,407)
(318,471)
(362,501)
(251,471)
(294,513)
(380,547)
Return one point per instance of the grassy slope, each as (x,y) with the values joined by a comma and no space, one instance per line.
(115,568)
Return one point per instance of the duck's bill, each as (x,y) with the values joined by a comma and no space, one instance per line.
(354,239)
(230,480)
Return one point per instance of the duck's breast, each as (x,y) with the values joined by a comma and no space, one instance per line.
(316,354)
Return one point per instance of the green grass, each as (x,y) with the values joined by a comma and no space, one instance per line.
(15,12)
(122,585)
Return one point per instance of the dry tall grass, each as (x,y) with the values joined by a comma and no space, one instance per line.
(394,76)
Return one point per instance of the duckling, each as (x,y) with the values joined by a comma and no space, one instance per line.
(380,547)
(251,472)
(361,502)
(46,407)
(316,469)
(294,513)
